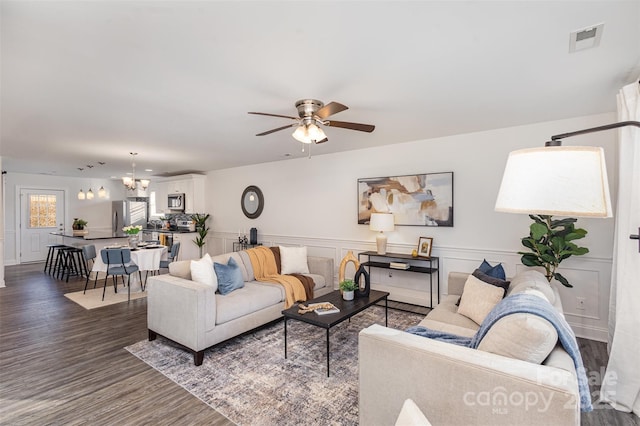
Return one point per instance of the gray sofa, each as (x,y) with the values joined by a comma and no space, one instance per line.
(197,317)
(456,385)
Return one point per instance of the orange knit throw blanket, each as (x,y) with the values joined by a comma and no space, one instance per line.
(265,269)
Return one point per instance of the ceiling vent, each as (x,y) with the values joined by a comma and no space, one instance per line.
(585,38)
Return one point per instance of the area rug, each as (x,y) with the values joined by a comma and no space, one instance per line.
(93,298)
(248,380)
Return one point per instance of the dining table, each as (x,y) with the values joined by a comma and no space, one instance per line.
(146,257)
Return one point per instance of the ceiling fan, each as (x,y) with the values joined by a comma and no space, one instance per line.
(313,114)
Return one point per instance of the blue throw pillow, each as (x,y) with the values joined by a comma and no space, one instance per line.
(493,271)
(229,276)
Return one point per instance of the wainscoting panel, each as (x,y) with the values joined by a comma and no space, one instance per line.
(589,276)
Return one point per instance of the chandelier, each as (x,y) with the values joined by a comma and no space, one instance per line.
(130,182)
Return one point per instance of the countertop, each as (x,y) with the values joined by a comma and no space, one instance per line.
(168,231)
(92,235)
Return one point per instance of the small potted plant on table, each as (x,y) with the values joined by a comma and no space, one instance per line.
(348,288)
(78,226)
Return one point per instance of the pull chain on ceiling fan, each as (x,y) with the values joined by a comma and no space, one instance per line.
(312,114)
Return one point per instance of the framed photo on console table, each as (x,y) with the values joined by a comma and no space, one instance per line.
(424,246)
(418,200)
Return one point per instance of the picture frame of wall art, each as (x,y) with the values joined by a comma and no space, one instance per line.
(424,246)
(415,200)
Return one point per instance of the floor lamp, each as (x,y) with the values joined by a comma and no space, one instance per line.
(557,180)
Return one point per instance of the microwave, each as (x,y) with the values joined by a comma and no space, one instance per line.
(175,202)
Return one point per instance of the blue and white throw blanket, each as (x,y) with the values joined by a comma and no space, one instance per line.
(530,304)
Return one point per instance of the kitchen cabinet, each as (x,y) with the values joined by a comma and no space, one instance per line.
(192,186)
(188,249)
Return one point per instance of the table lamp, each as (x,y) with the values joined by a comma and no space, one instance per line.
(381,222)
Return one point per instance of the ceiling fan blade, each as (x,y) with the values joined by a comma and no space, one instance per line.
(330,109)
(352,126)
(273,115)
(322,141)
(277,129)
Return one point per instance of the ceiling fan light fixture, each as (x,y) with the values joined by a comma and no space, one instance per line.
(308,133)
(301,134)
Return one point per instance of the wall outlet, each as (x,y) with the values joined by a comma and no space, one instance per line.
(580,303)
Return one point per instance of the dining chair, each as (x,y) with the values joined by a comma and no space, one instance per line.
(89,255)
(172,256)
(118,263)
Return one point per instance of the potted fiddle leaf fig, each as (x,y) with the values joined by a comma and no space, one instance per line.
(550,242)
(202,230)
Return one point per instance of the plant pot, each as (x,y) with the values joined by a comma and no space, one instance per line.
(133,241)
(348,295)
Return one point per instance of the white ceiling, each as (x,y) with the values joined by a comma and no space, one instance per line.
(89,81)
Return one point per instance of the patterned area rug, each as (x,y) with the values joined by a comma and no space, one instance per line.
(248,380)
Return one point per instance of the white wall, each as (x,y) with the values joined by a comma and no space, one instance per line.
(1,227)
(313,202)
(97,211)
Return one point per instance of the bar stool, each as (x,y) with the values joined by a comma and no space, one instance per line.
(61,261)
(74,264)
(51,254)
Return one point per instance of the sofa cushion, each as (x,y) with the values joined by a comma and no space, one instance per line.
(202,271)
(496,271)
(450,328)
(491,280)
(251,298)
(229,276)
(478,299)
(521,336)
(246,260)
(532,279)
(318,281)
(223,259)
(180,269)
(447,312)
(293,260)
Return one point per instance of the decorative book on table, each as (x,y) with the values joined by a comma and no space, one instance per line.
(324,308)
(399,265)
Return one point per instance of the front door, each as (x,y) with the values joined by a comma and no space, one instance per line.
(41,212)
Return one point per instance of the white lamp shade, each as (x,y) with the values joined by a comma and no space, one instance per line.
(381,222)
(81,195)
(90,194)
(561,181)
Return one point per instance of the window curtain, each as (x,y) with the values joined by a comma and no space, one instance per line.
(621,383)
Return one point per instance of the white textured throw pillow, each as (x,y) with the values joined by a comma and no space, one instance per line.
(293,260)
(202,271)
(478,299)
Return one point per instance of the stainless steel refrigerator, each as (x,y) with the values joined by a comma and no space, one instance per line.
(127,213)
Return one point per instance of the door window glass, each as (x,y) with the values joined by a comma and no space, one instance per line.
(42,211)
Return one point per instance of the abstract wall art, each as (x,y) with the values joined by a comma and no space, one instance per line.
(418,200)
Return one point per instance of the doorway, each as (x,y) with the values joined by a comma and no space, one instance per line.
(41,212)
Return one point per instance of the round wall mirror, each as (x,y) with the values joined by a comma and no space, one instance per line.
(252,202)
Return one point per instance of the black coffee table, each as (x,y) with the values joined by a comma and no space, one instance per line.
(348,308)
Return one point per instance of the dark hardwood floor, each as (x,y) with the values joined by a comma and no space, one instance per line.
(63,365)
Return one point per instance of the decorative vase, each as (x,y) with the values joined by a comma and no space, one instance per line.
(362,292)
(133,241)
(348,295)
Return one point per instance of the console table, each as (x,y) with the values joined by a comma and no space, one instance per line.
(421,265)
(237,246)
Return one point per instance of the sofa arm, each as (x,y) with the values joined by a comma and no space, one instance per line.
(180,310)
(456,281)
(322,266)
(455,385)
